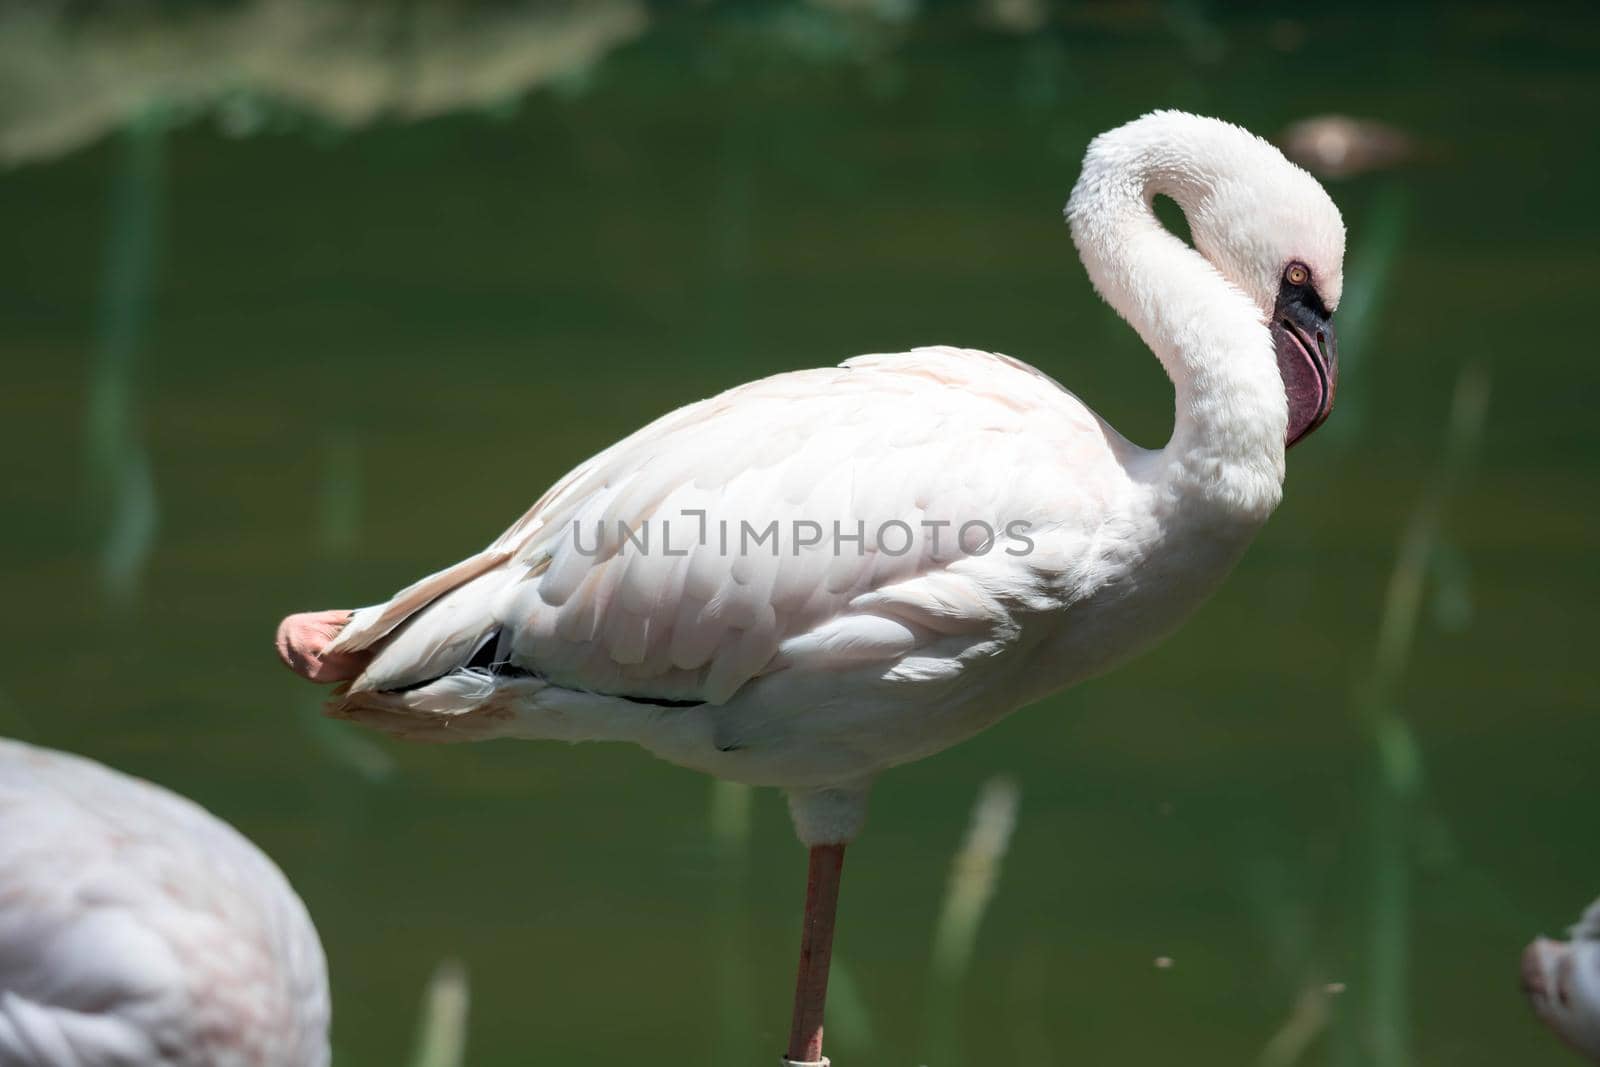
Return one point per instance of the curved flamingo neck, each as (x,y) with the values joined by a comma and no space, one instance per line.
(1227,444)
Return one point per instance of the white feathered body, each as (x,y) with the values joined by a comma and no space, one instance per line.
(823,664)
(816,666)
(137,930)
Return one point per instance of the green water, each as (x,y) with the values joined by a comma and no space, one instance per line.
(261,354)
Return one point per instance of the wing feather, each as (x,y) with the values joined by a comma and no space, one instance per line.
(887,448)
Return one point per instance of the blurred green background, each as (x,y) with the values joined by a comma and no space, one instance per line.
(305,299)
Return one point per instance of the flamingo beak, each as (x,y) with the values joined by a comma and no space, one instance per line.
(1308,359)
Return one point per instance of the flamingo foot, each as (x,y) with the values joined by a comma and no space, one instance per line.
(303,639)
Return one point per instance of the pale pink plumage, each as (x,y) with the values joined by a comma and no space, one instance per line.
(815,669)
(816,666)
(137,930)
(914,438)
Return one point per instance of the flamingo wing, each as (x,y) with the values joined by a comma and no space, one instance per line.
(810,516)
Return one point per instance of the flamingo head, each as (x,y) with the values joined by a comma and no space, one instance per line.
(1274,232)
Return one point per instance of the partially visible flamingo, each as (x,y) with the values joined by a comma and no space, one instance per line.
(138,930)
(1562,980)
(818,661)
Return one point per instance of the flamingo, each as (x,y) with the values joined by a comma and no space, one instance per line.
(814,577)
(1562,981)
(139,930)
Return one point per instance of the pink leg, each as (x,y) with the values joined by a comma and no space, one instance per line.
(302,639)
(816,952)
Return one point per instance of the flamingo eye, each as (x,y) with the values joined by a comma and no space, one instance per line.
(1297,274)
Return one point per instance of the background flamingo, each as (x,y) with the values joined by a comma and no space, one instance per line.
(1562,980)
(138,930)
(817,665)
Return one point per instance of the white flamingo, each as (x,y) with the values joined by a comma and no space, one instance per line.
(1562,980)
(138,930)
(872,630)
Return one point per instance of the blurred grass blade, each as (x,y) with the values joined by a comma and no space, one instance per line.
(1367,270)
(1420,541)
(1306,1021)
(1399,757)
(974,876)
(729,818)
(442,1032)
(121,487)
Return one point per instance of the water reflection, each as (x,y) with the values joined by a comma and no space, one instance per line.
(72,73)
